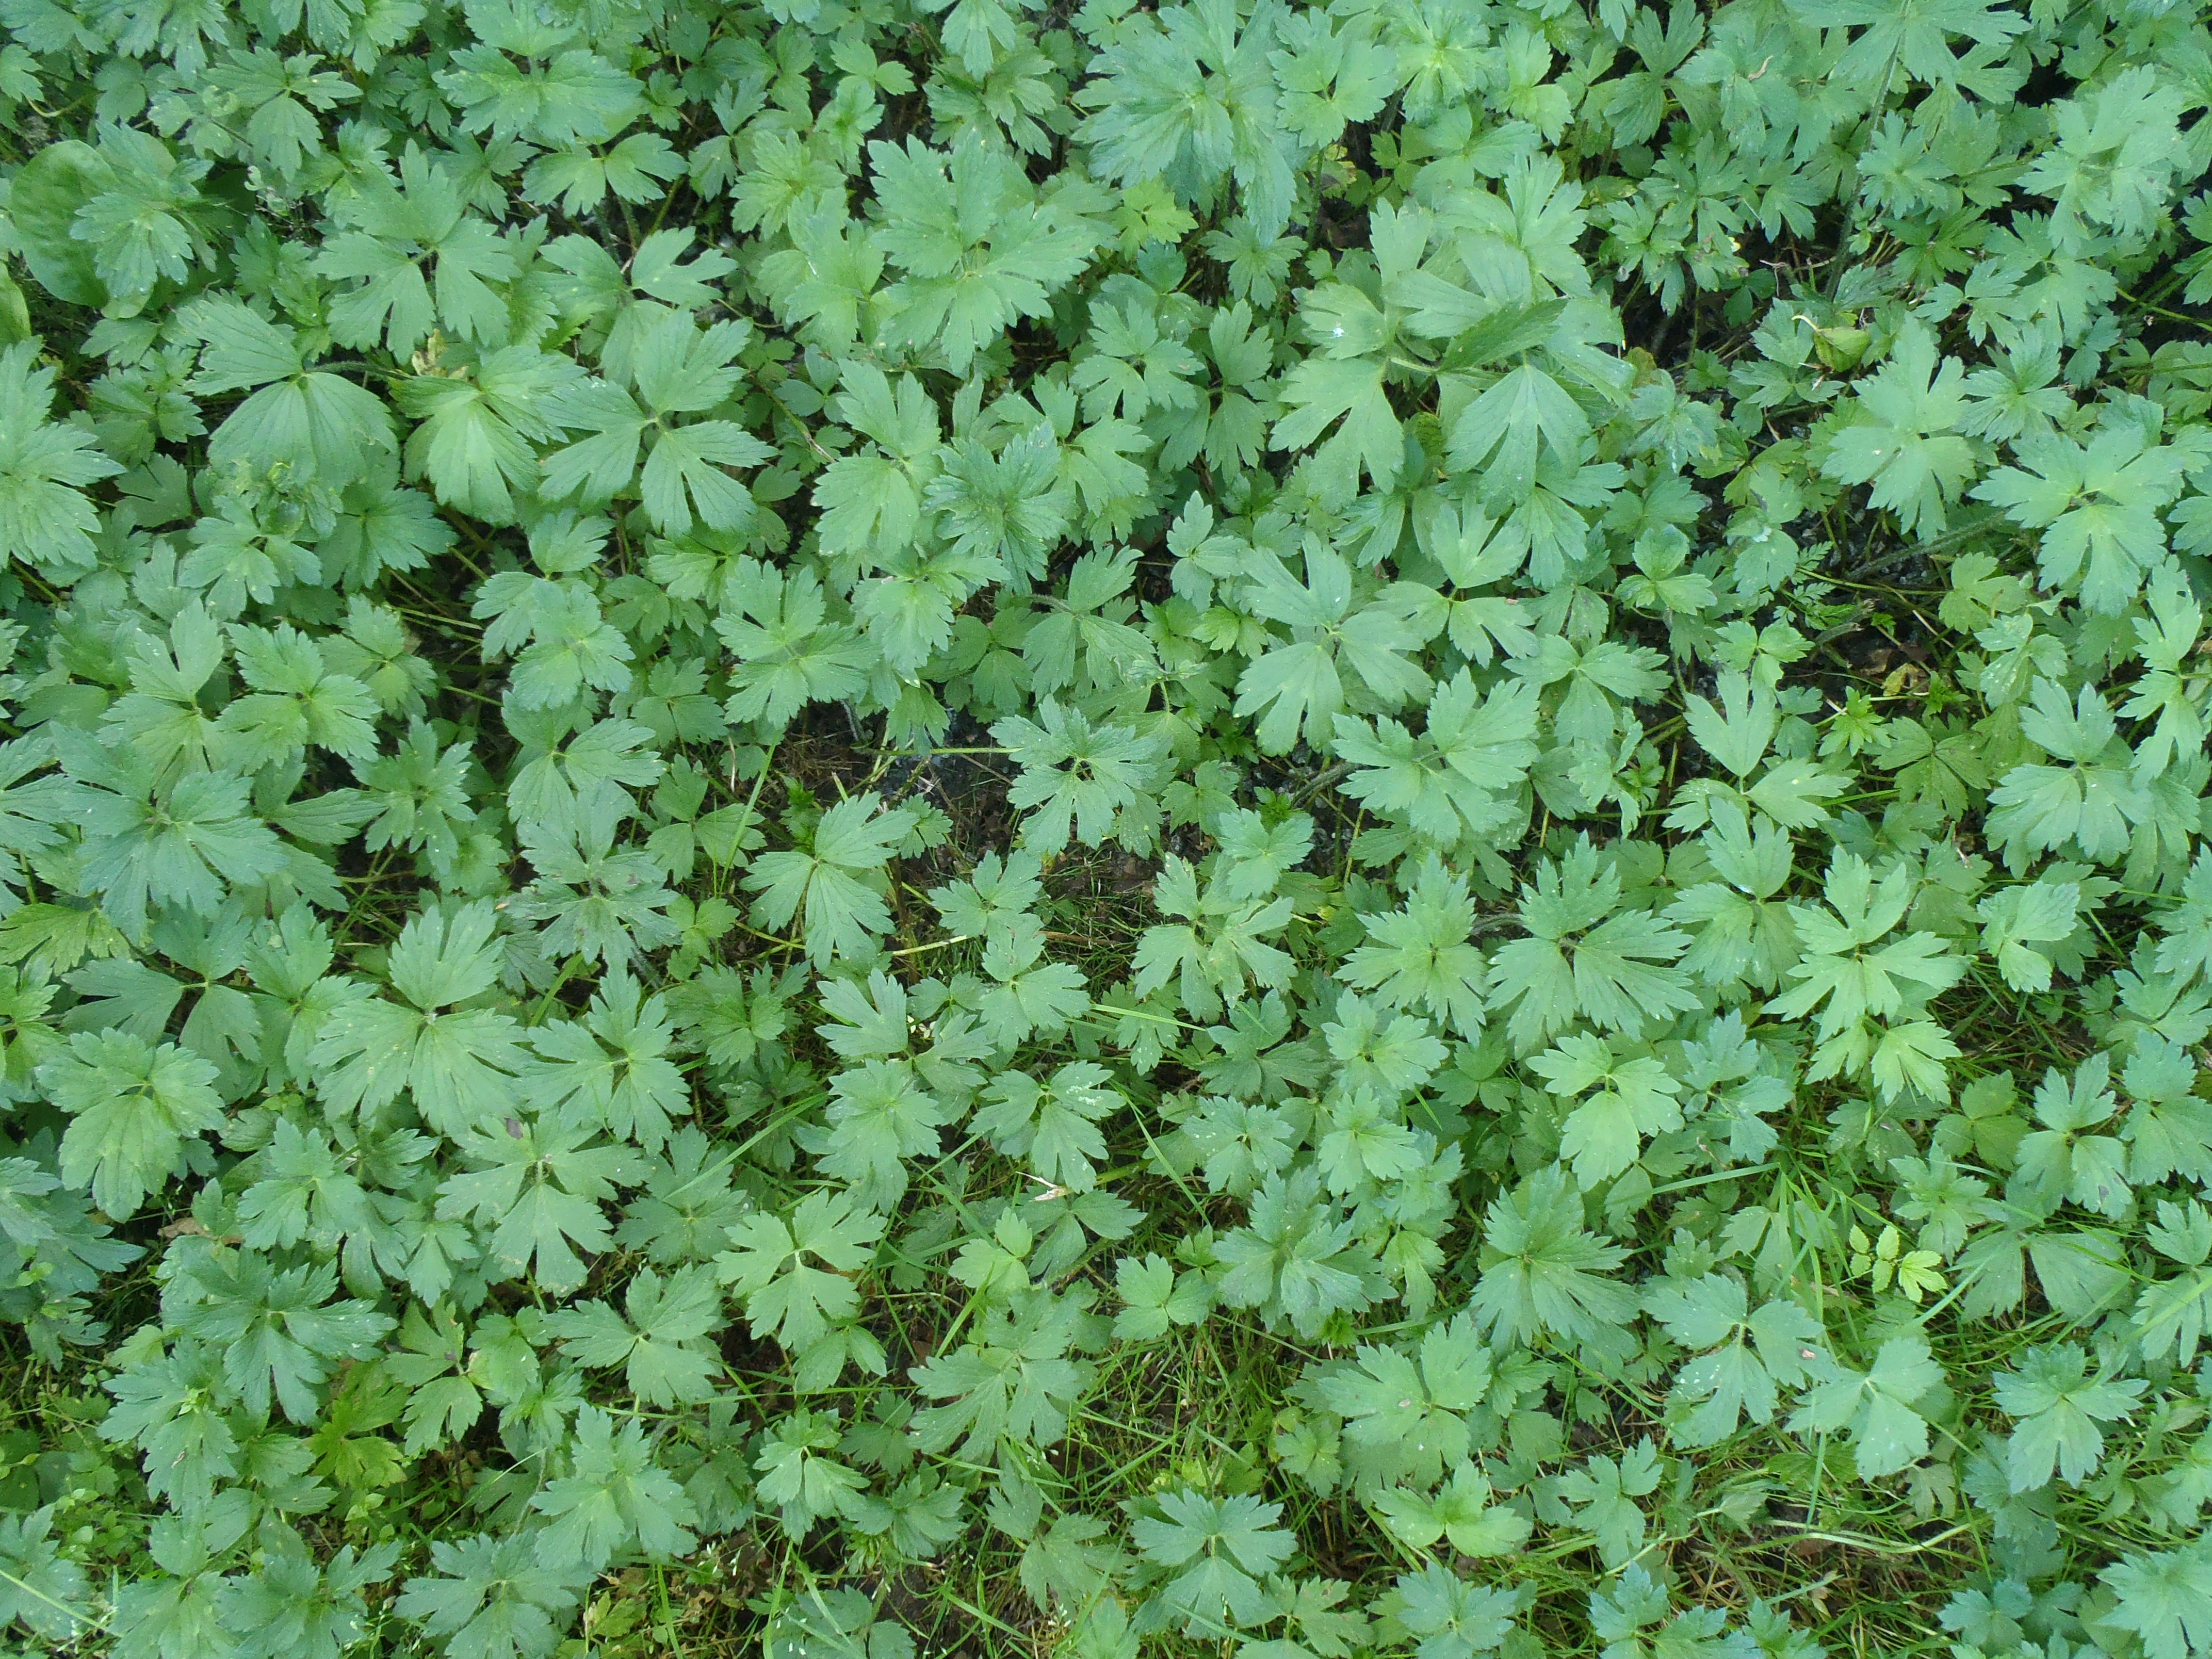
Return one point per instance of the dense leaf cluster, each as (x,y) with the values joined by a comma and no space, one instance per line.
(1277,830)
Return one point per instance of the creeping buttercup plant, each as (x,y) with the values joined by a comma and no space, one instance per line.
(1263,829)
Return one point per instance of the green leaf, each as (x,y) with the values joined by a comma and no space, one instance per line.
(1051,1124)
(1604,1491)
(1543,1272)
(1076,779)
(457,1063)
(835,879)
(539,1190)
(1748,1354)
(1014,1381)
(1904,442)
(1155,1298)
(2056,1408)
(1737,733)
(43,201)
(1320,391)
(132,1107)
(2097,506)
(1880,1409)
(976,247)
(616,1498)
(37,1584)
(279,1334)
(1502,428)
(1217,1547)
(1633,1099)
(785,1295)
(1189,97)
(295,1606)
(477,428)
(317,421)
(45,517)
(658,1345)
(489,1598)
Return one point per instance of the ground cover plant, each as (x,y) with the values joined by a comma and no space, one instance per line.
(1242,830)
